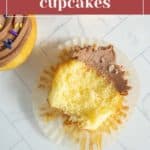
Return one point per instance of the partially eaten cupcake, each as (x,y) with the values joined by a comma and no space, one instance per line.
(87,90)
(17,38)
(90,87)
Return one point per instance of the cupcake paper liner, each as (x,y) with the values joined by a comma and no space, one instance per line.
(53,128)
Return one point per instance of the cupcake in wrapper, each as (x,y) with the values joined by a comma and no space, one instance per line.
(87,95)
(17,39)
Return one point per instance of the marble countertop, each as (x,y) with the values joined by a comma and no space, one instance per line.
(18,129)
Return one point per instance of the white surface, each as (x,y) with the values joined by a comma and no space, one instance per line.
(18,129)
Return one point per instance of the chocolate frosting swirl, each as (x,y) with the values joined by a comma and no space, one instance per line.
(103,59)
(14,32)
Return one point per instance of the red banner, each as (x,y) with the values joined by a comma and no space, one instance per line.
(147,6)
(2,6)
(75,6)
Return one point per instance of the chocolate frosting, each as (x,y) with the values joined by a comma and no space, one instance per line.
(21,26)
(103,59)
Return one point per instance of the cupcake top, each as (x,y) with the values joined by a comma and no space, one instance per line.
(14,32)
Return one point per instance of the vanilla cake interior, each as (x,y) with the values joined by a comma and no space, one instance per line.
(87,97)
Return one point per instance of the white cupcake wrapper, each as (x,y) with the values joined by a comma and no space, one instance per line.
(54,129)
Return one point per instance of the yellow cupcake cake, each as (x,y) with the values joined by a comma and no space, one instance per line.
(17,38)
(87,98)
(87,90)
